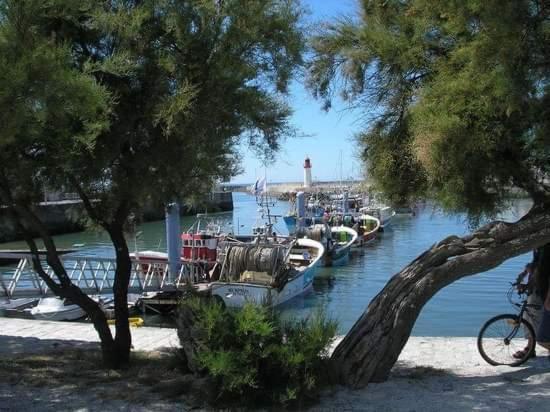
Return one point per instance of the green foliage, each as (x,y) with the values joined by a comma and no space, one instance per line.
(101,96)
(257,357)
(48,106)
(133,104)
(457,93)
(393,165)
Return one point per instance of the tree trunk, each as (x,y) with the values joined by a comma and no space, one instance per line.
(372,346)
(542,268)
(24,217)
(123,337)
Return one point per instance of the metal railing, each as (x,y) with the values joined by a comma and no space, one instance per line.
(94,275)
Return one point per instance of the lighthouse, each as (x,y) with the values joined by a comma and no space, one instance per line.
(307,172)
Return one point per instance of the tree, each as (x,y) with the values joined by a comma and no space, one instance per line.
(177,85)
(43,100)
(459,93)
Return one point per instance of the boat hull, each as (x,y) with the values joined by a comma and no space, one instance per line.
(238,294)
(55,309)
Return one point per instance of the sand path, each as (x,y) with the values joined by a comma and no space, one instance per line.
(432,374)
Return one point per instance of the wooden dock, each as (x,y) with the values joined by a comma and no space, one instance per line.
(29,335)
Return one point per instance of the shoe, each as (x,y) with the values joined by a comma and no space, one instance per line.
(520,354)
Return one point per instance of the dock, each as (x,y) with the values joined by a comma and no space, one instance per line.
(29,335)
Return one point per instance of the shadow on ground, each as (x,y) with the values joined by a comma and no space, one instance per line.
(426,389)
(16,345)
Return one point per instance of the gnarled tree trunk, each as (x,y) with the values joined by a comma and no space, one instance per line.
(372,346)
(123,337)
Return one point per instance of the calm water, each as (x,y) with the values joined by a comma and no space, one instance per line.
(345,291)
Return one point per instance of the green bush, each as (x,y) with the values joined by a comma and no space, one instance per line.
(257,357)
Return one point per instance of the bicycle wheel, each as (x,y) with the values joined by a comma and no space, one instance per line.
(504,335)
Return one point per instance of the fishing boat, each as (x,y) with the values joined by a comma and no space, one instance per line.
(314,213)
(199,244)
(343,238)
(337,241)
(270,273)
(367,229)
(382,213)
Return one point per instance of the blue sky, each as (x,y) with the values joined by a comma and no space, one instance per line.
(326,135)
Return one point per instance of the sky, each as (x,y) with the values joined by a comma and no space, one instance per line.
(326,137)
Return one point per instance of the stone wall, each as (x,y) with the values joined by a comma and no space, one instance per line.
(68,216)
(59,217)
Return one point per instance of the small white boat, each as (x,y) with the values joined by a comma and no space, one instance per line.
(56,309)
(382,213)
(368,227)
(290,274)
(343,238)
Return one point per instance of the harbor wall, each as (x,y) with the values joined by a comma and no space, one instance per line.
(68,216)
(59,217)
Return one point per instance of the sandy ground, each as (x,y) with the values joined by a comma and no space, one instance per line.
(432,374)
(448,374)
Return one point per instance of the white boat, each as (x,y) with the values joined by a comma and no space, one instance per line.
(382,213)
(290,272)
(56,309)
(343,238)
(149,256)
(367,228)
(337,241)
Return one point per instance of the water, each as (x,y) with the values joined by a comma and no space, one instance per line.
(345,291)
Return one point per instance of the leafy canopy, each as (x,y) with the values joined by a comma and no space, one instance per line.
(48,105)
(457,94)
(136,102)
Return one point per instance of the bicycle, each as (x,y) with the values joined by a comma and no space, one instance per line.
(505,335)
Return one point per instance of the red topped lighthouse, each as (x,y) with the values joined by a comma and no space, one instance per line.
(307,172)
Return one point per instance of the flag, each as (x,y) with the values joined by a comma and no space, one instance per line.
(259,187)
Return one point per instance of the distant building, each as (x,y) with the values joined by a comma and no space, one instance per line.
(307,173)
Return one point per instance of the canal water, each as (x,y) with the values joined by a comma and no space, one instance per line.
(345,291)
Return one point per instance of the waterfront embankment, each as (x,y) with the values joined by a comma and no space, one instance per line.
(432,374)
(69,216)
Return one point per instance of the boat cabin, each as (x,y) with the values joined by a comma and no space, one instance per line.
(199,246)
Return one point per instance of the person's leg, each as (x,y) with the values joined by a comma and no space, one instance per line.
(532,315)
(543,332)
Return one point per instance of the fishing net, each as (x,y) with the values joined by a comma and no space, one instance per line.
(317,232)
(256,258)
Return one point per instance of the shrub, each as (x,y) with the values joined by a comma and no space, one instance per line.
(254,355)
